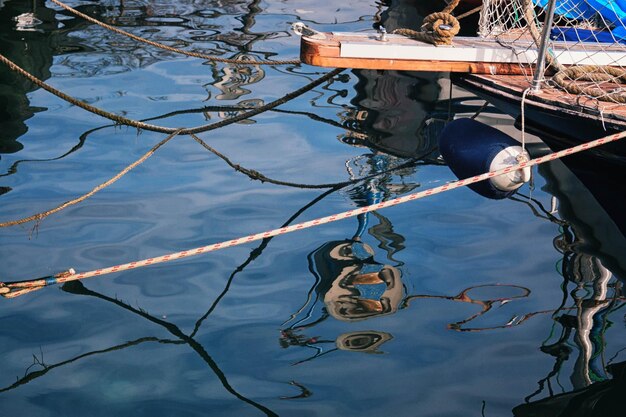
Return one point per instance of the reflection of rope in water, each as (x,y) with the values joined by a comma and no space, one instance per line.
(252,174)
(485,305)
(173,132)
(29,376)
(79,288)
(45,368)
(370,340)
(83,137)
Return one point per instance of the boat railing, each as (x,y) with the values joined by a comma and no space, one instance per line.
(581,44)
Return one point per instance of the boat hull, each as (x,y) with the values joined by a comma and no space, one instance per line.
(560,127)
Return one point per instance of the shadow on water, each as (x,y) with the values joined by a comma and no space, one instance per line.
(31,49)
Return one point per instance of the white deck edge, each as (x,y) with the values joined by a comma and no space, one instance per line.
(481,52)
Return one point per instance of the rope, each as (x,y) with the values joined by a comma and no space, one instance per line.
(154,128)
(252,174)
(14,289)
(469,12)
(437,28)
(170,48)
(255,175)
(529,15)
(567,78)
(173,132)
(40,216)
(524,156)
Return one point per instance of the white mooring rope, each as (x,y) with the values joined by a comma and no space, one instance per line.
(14,289)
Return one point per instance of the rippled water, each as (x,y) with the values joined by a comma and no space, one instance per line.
(450,306)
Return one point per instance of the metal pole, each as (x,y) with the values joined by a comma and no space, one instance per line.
(543,48)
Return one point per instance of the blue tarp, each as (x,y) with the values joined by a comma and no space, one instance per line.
(583,35)
(612,11)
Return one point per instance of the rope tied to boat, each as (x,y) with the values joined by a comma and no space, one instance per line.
(17,288)
(569,79)
(438,28)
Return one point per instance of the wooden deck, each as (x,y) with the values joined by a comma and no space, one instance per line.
(511,88)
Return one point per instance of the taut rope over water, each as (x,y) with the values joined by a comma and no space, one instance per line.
(14,289)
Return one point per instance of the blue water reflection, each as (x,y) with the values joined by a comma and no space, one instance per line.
(449,306)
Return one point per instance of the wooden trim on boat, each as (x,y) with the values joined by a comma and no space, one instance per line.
(327,52)
(466,54)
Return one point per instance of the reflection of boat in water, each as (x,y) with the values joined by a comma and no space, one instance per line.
(602,399)
(592,203)
(592,243)
(582,101)
(598,384)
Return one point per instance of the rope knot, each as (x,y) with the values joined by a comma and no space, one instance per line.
(437,28)
(443,26)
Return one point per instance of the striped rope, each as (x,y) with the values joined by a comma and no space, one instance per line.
(14,289)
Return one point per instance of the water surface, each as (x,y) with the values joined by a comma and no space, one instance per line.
(453,305)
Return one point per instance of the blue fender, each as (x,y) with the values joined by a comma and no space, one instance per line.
(469,148)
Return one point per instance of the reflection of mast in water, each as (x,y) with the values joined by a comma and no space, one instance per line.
(596,294)
(594,394)
(589,320)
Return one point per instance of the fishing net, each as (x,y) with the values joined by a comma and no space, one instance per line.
(587,47)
